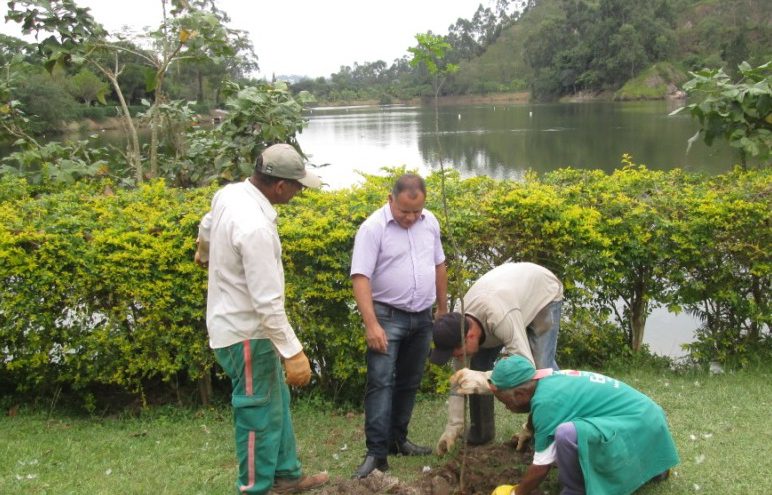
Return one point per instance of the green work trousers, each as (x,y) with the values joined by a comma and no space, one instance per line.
(265,440)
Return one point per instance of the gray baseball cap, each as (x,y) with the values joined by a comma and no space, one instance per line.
(283,161)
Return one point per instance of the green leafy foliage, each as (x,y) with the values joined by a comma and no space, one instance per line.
(739,112)
(431,53)
(100,289)
(257,116)
(722,240)
(87,86)
(51,165)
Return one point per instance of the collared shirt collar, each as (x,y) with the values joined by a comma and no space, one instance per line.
(268,210)
(390,217)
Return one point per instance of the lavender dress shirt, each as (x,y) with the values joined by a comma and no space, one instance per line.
(399,262)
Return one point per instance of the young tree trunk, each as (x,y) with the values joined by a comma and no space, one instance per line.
(638,318)
(205,388)
(153,147)
(134,150)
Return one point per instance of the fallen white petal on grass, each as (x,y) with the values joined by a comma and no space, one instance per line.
(692,438)
(335,456)
(697,384)
(426,469)
(696,487)
(32,476)
(699,459)
(707,435)
(109,472)
(345,447)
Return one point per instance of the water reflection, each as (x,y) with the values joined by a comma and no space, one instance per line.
(504,141)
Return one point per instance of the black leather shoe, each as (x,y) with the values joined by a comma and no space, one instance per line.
(369,464)
(409,448)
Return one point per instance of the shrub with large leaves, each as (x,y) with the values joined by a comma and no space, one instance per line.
(739,112)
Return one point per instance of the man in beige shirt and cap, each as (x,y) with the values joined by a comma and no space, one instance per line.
(513,309)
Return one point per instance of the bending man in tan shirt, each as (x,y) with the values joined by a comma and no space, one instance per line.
(515,309)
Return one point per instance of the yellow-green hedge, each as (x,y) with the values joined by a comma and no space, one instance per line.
(99,287)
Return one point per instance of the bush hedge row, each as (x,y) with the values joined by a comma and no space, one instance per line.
(99,287)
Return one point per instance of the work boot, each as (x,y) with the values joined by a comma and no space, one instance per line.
(409,448)
(370,464)
(482,427)
(297,485)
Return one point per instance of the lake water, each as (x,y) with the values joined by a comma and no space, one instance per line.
(504,141)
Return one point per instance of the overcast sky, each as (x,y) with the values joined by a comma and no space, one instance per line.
(309,37)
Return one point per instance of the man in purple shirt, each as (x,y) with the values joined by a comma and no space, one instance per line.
(398,271)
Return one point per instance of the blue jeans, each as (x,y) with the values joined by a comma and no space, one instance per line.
(393,378)
(544,345)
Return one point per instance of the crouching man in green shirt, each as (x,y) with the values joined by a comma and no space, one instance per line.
(604,436)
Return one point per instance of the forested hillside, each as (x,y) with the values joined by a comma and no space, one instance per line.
(555,48)
(560,47)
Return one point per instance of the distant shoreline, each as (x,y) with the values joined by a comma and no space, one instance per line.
(520,97)
(513,97)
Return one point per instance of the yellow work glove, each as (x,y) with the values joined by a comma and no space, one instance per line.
(298,370)
(504,490)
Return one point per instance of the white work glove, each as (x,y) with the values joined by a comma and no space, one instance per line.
(466,381)
(454,427)
(522,439)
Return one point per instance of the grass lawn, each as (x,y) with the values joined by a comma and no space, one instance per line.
(721,424)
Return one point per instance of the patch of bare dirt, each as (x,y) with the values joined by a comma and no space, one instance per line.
(485,467)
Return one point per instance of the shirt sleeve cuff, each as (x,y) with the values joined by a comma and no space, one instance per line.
(289,347)
(546,456)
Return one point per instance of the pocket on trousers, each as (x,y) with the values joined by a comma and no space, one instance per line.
(261,384)
(251,413)
(239,401)
(382,312)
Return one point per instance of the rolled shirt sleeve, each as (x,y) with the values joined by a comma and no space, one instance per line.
(245,297)
(204,234)
(265,284)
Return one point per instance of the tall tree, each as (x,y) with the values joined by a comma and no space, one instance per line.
(86,86)
(189,30)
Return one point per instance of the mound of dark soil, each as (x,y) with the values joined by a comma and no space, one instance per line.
(485,467)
